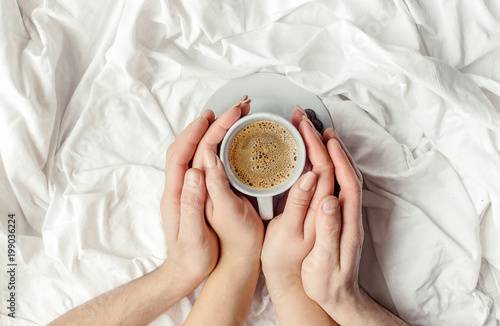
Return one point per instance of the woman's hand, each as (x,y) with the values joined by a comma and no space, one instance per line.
(234,219)
(287,240)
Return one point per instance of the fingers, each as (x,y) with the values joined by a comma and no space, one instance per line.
(216,180)
(209,115)
(192,210)
(328,230)
(349,197)
(179,153)
(218,130)
(297,203)
(297,115)
(331,133)
(320,161)
(215,134)
(244,104)
(300,114)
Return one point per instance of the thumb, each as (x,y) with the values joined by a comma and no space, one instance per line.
(328,229)
(216,180)
(192,203)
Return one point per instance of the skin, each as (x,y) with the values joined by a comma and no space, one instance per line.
(290,237)
(193,247)
(228,292)
(310,253)
(330,270)
(240,231)
(312,272)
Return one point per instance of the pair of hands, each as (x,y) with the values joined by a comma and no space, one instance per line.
(314,246)
(196,186)
(310,253)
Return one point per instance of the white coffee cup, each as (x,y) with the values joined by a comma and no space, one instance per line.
(265,196)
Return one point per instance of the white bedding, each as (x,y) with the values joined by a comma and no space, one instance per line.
(93,92)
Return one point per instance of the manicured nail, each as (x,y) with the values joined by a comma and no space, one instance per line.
(309,122)
(192,178)
(209,158)
(308,181)
(301,110)
(330,206)
(243,100)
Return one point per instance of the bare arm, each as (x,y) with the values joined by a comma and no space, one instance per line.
(192,246)
(227,294)
(136,303)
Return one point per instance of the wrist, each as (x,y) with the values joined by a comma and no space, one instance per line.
(357,308)
(342,301)
(238,263)
(251,256)
(178,279)
(285,281)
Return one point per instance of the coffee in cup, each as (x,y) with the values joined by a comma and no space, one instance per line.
(263,156)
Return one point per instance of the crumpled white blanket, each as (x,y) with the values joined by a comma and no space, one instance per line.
(92,93)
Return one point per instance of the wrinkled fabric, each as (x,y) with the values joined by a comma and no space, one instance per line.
(92,93)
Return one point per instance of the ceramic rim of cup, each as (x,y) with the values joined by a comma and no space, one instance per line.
(236,128)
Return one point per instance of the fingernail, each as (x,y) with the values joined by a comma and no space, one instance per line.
(330,206)
(209,158)
(244,100)
(309,122)
(205,114)
(308,181)
(301,110)
(192,178)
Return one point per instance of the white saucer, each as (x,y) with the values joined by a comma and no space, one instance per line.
(269,92)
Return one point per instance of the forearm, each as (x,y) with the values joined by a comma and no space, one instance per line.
(294,307)
(361,310)
(227,294)
(136,303)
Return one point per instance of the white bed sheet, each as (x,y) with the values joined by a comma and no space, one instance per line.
(92,93)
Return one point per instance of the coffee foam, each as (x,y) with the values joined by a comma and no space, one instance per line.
(263,155)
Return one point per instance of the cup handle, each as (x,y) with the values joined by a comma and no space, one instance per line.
(266,209)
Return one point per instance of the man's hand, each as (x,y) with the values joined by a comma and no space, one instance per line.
(192,247)
(192,244)
(330,270)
